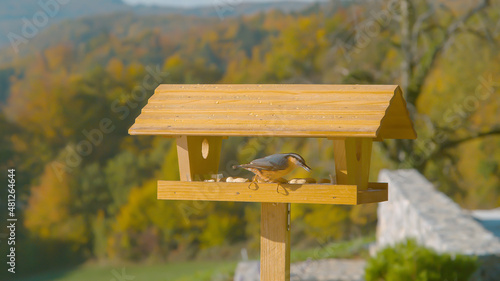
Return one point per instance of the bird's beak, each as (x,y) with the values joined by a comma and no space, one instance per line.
(307,168)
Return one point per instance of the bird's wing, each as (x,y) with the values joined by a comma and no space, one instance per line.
(269,163)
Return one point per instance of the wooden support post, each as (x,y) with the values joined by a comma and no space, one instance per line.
(340,161)
(359,151)
(275,242)
(198,157)
(352,161)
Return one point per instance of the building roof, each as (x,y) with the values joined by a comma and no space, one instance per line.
(302,110)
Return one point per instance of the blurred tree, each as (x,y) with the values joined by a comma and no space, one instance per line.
(87,71)
(6,145)
(59,221)
(5,76)
(427,31)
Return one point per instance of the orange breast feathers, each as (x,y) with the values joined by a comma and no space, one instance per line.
(274,175)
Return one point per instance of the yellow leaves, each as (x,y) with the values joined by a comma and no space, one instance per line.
(453,87)
(133,216)
(135,71)
(50,192)
(143,210)
(212,36)
(327,219)
(219,228)
(322,219)
(173,61)
(170,167)
(59,57)
(48,213)
(116,68)
(459,96)
(477,167)
(391,60)
(304,24)
(36,104)
(321,36)
(363,214)
(252,220)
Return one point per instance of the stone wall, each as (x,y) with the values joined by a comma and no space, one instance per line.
(416,209)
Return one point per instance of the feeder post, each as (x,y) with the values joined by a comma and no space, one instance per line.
(275,242)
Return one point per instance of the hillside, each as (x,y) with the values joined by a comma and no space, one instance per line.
(13,12)
(90,194)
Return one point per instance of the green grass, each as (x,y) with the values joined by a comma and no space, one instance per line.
(181,271)
(198,270)
(356,248)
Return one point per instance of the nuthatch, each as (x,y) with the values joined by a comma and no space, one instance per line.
(271,168)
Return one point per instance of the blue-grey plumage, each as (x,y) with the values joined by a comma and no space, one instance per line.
(271,168)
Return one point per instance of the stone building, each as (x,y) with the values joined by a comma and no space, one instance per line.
(416,209)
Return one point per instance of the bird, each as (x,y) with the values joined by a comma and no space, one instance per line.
(273,167)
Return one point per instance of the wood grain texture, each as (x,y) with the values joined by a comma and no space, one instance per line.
(376,192)
(274,242)
(192,164)
(270,192)
(371,111)
(394,124)
(339,151)
(358,157)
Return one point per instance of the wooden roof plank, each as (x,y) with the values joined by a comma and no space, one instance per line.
(289,88)
(377,111)
(234,133)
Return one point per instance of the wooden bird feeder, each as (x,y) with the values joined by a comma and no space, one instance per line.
(201,116)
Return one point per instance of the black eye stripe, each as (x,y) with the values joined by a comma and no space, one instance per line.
(298,157)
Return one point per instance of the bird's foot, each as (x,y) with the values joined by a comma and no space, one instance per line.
(279,182)
(254,181)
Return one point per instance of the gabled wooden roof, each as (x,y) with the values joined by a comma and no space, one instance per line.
(373,111)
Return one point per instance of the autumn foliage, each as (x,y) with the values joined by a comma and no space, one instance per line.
(93,187)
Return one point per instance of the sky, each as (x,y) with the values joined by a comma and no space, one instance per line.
(193,3)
